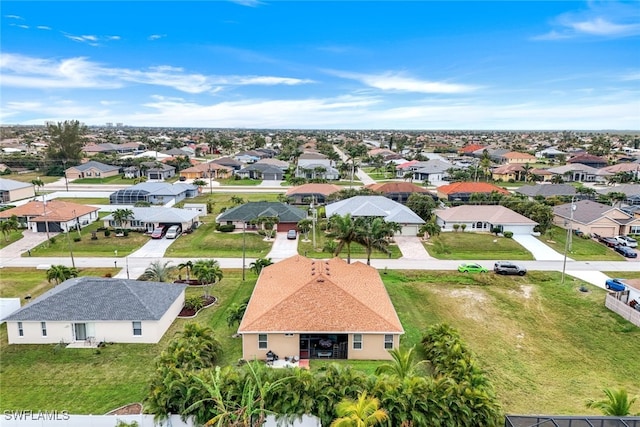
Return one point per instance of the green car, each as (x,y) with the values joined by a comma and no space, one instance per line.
(471,268)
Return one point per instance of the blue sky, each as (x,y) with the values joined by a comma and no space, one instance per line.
(323,65)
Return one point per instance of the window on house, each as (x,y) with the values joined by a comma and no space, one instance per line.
(43,326)
(20,330)
(357,341)
(634,229)
(137,328)
(388,342)
(262,341)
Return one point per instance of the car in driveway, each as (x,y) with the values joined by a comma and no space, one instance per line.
(615,285)
(158,232)
(292,234)
(625,251)
(471,267)
(173,232)
(627,241)
(503,267)
(609,241)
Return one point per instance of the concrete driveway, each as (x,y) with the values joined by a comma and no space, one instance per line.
(539,250)
(28,242)
(412,247)
(154,248)
(282,247)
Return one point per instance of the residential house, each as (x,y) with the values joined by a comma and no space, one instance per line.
(631,169)
(248,157)
(315,193)
(261,171)
(131,172)
(550,153)
(91,169)
(632,191)
(398,191)
(89,310)
(180,152)
(547,190)
(462,191)
(386,153)
(589,160)
(288,216)
(378,206)
(52,216)
(109,148)
(280,164)
(156,193)
(433,170)
(313,165)
(509,172)
(495,154)
(577,172)
(207,170)
(517,158)
(11,190)
(229,162)
(484,218)
(595,218)
(149,218)
(469,149)
(320,309)
(158,171)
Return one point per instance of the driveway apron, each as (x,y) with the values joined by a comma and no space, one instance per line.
(412,247)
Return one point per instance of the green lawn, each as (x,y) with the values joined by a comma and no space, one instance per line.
(244,181)
(85,200)
(357,251)
(467,245)
(14,236)
(102,247)
(581,249)
(547,348)
(28,177)
(223,201)
(206,242)
(112,180)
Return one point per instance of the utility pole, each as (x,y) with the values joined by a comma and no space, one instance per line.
(44,215)
(73,263)
(244,246)
(566,245)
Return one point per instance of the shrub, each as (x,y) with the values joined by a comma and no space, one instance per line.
(508,234)
(329,246)
(194,302)
(107,233)
(126,233)
(52,240)
(226,228)
(77,239)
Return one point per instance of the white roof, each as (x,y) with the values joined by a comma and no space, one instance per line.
(379,206)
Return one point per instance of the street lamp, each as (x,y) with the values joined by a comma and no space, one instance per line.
(568,239)
(115,262)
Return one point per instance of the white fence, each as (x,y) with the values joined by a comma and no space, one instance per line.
(64,419)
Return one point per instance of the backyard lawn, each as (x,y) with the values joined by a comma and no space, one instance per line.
(546,347)
(85,200)
(467,245)
(581,249)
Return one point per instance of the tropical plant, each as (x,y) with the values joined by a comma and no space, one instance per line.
(363,412)
(617,403)
(188,265)
(158,271)
(66,141)
(305,225)
(121,216)
(343,229)
(235,312)
(9,225)
(422,204)
(373,233)
(430,228)
(208,272)
(236,200)
(60,273)
(259,264)
(402,366)
(38,183)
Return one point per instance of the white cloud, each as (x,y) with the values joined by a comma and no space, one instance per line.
(399,83)
(20,18)
(156,36)
(602,27)
(631,76)
(43,27)
(248,3)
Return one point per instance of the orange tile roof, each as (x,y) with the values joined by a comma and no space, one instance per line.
(517,155)
(312,188)
(471,148)
(396,187)
(470,187)
(54,211)
(300,294)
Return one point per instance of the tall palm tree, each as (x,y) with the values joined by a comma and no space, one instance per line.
(402,366)
(9,225)
(618,403)
(259,264)
(208,272)
(158,271)
(60,273)
(373,233)
(120,216)
(343,229)
(38,183)
(188,265)
(363,412)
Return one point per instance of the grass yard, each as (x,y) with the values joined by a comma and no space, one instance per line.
(581,249)
(112,180)
(28,177)
(102,247)
(85,200)
(14,236)
(207,242)
(39,377)
(467,245)
(223,201)
(243,182)
(546,347)
(357,251)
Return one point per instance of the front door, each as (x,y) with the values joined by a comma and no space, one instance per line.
(80,331)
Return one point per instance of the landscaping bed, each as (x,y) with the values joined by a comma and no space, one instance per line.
(190,311)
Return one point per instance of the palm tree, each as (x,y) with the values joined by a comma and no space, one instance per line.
(60,273)
(259,264)
(618,403)
(402,366)
(364,412)
(38,183)
(199,183)
(373,233)
(430,228)
(9,225)
(343,229)
(158,271)
(120,216)
(305,225)
(188,265)
(208,272)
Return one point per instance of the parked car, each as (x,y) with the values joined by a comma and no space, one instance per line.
(626,251)
(627,241)
(615,285)
(158,232)
(471,268)
(609,241)
(292,234)
(502,267)
(173,232)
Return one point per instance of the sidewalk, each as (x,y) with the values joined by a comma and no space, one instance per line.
(28,242)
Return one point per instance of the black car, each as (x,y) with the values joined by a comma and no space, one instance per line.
(625,251)
(609,241)
(502,267)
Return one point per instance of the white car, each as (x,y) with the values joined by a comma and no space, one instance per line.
(627,241)
(172,232)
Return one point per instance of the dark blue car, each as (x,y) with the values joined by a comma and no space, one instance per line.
(626,251)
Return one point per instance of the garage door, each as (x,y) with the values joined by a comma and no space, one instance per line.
(409,230)
(604,231)
(54,227)
(286,226)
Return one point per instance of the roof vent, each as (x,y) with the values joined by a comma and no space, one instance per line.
(313,273)
(319,280)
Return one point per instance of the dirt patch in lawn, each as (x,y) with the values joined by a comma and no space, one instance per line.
(130,409)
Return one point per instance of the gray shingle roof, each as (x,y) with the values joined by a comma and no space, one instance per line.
(160,214)
(547,190)
(586,211)
(97,165)
(374,206)
(253,210)
(96,298)
(9,184)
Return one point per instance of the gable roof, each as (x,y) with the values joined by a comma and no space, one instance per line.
(97,298)
(253,210)
(227,161)
(547,190)
(205,167)
(561,170)
(10,184)
(53,210)
(518,155)
(396,187)
(470,187)
(587,211)
(628,189)
(494,214)
(374,206)
(299,294)
(92,164)
(587,158)
(313,188)
(160,214)
(161,188)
